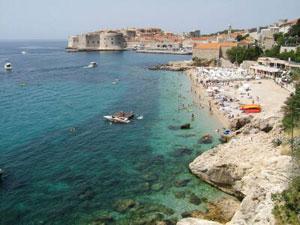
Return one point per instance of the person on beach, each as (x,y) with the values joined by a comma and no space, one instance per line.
(210,108)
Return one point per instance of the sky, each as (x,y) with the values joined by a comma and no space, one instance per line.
(57,19)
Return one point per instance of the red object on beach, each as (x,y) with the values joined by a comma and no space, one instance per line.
(252,110)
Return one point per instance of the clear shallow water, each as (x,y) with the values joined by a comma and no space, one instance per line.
(65,165)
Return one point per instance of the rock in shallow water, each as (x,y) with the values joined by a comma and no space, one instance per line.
(185,126)
(124,204)
(156,187)
(182,183)
(206,139)
(180,194)
(194,199)
(182,152)
(148,214)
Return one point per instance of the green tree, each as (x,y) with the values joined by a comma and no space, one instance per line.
(291,116)
(273,52)
(279,38)
(239,54)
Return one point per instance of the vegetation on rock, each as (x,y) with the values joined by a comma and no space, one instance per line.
(292,38)
(292,110)
(287,204)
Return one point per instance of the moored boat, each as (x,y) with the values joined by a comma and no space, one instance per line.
(8,66)
(92,65)
(117,119)
(120,117)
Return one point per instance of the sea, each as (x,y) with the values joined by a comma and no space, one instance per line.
(64,164)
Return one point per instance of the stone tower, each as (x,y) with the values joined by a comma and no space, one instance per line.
(229,31)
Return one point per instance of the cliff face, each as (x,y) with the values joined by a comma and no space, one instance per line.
(250,167)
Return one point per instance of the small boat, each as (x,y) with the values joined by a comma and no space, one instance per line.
(24,52)
(116,81)
(117,119)
(120,117)
(8,66)
(92,65)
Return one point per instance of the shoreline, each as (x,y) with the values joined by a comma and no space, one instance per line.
(170,52)
(248,167)
(203,100)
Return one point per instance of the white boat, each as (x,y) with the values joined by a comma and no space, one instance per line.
(24,52)
(92,65)
(8,66)
(117,119)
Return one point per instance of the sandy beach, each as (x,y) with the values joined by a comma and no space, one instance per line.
(228,96)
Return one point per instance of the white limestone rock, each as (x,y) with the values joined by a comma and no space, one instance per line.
(249,167)
(193,221)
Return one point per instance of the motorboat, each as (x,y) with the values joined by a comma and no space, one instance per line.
(23,52)
(92,65)
(117,119)
(8,66)
(120,117)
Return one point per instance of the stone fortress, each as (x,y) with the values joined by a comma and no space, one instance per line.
(97,41)
(125,39)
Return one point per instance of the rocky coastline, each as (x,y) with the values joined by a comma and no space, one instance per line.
(252,166)
(173,66)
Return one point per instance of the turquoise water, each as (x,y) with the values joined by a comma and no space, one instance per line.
(65,165)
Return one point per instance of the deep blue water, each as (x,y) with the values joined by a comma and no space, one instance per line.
(65,165)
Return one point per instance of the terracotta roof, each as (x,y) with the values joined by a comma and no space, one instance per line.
(207,45)
(214,45)
(204,38)
(228,44)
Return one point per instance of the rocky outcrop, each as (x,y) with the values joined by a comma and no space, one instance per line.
(249,167)
(173,66)
(240,122)
(220,211)
(193,221)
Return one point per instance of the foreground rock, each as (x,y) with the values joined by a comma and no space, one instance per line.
(220,211)
(193,221)
(249,167)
